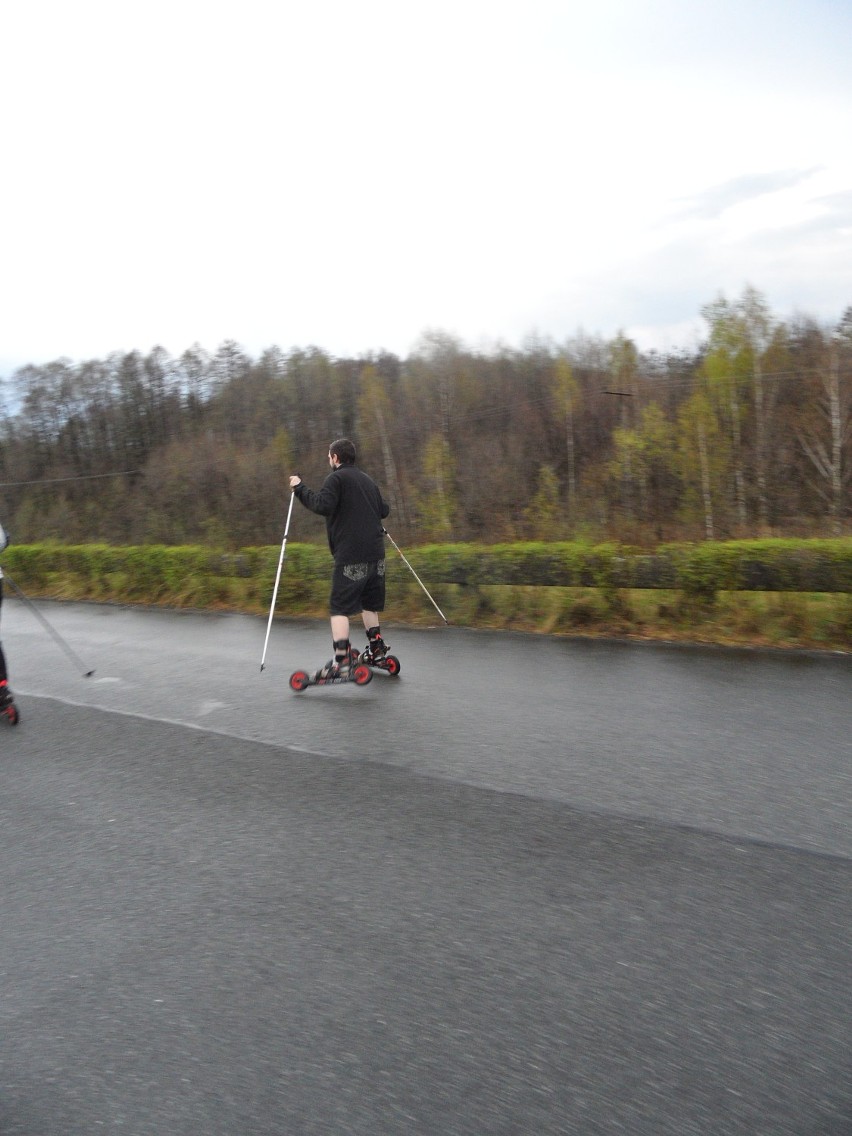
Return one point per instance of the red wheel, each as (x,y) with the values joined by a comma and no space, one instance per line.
(362,674)
(299,680)
(392,664)
(12,714)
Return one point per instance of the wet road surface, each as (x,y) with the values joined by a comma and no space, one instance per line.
(530,886)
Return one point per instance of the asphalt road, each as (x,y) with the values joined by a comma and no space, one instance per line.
(530,886)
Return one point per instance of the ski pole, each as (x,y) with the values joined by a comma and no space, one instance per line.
(277,578)
(47,626)
(416,577)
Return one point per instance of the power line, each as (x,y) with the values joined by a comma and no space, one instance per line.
(59,480)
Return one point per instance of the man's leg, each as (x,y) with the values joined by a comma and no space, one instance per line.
(340,639)
(373,598)
(375,644)
(339,627)
(340,600)
(371,619)
(5,694)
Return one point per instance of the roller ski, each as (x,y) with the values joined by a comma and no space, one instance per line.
(344,667)
(8,709)
(376,655)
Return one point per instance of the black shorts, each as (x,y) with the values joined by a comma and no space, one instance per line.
(357,587)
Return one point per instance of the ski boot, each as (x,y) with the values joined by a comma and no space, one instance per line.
(344,667)
(375,654)
(8,709)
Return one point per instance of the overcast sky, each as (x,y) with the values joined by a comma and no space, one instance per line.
(351,175)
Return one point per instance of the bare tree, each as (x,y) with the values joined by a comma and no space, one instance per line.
(825,439)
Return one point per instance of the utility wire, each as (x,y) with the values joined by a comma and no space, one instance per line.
(78,477)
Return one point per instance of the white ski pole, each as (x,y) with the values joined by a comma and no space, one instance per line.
(277,579)
(416,577)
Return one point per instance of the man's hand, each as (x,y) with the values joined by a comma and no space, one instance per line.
(295,480)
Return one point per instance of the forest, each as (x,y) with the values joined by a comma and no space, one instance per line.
(748,435)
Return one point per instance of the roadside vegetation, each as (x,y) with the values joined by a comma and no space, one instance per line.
(790,594)
(576,488)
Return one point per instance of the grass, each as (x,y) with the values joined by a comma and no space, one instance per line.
(787,620)
(812,621)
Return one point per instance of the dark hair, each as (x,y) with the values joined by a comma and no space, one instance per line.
(343,450)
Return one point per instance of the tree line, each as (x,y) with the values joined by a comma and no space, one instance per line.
(749,434)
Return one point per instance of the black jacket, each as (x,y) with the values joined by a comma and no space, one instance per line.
(354,510)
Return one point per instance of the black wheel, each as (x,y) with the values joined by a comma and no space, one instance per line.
(392,665)
(299,680)
(362,674)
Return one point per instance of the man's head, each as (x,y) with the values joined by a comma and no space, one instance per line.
(341,452)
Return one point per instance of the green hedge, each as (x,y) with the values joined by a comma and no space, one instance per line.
(160,573)
(696,569)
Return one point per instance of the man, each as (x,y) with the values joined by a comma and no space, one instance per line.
(7,703)
(354,509)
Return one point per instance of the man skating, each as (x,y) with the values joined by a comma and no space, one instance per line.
(7,703)
(354,509)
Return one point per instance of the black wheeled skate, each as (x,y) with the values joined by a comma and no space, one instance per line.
(332,674)
(8,709)
(376,655)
